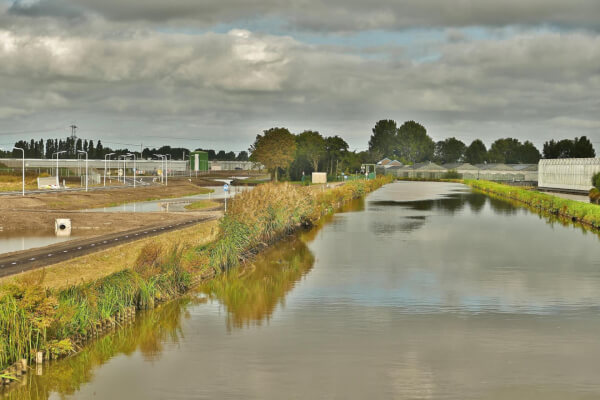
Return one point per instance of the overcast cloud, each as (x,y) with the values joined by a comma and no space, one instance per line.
(216,73)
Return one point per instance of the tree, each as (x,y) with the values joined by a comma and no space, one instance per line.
(566,148)
(311,147)
(383,140)
(274,149)
(583,148)
(505,151)
(335,150)
(476,153)
(449,151)
(242,156)
(414,145)
(529,154)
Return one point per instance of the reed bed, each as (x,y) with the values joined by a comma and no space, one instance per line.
(259,217)
(584,213)
(35,319)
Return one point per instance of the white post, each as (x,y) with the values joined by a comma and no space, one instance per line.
(134,169)
(86,167)
(23,166)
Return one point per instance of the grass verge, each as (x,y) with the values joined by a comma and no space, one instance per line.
(202,204)
(584,213)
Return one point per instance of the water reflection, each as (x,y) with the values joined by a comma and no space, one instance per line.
(148,336)
(251,296)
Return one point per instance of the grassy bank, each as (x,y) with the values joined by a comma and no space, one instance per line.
(584,213)
(36,318)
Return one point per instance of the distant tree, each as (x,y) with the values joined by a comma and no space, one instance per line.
(311,147)
(476,153)
(449,151)
(230,156)
(383,140)
(335,150)
(561,149)
(100,150)
(242,156)
(221,156)
(528,153)
(583,148)
(275,149)
(505,151)
(566,148)
(414,145)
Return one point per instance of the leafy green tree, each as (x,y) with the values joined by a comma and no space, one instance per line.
(529,154)
(311,147)
(242,156)
(583,148)
(449,151)
(413,143)
(274,149)
(476,153)
(383,140)
(505,151)
(335,150)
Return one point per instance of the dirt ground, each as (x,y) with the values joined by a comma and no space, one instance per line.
(37,212)
(100,198)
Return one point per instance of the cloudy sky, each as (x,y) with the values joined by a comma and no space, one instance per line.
(214,73)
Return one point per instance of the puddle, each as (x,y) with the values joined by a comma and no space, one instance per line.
(17,241)
(171,205)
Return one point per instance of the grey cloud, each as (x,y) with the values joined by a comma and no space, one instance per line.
(338,15)
(228,87)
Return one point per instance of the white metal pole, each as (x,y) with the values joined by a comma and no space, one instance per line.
(23,167)
(105,170)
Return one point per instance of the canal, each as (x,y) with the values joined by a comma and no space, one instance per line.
(420,291)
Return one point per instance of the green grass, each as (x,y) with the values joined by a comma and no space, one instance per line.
(585,213)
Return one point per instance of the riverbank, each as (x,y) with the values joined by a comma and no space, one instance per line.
(35,318)
(583,213)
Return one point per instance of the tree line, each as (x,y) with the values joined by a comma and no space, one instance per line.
(411,144)
(46,148)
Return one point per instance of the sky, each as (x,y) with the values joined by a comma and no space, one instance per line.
(215,73)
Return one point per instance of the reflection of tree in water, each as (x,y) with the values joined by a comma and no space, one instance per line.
(503,206)
(251,295)
(476,202)
(405,224)
(449,204)
(66,376)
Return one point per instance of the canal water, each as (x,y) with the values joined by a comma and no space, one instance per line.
(421,291)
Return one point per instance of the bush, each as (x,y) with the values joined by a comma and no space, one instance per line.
(596,180)
(451,174)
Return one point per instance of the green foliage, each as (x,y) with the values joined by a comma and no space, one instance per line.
(511,151)
(450,150)
(383,141)
(275,149)
(270,211)
(414,145)
(476,153)
(596,180)
(451,174)
(585,213)
(566,148)
(35,319)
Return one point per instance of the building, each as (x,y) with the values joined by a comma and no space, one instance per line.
(198,161)
(570,174)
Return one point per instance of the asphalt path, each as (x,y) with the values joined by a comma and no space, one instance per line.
(21,261)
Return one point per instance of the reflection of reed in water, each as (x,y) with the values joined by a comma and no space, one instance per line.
(147,334)
(252,293)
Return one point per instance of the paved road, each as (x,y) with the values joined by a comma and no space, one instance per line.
(14,263)
(79,189)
